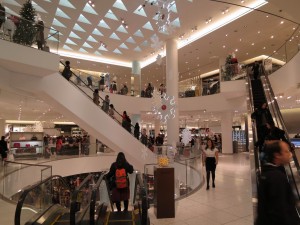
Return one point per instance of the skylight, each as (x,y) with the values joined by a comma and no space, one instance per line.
(176,22)
(103,24)
(68,41)
(60,13)
(122,29)
(83,50)
(114,36)
(97,53)
(8,10)
(78,28)
(67,4)
(82,19)
(123,46)
(144,43)
(57,23)
(111,15)
(97,32)
(140,11)
(102,48)
(148,26)
(130,40)
(138,33)
(89,9)
(38,8)
(173,7)
(119,5)
(137,49)
(11,2)
(67,47)
(91,39)
(73,35)
(117,51)
(86,45)
(51,38)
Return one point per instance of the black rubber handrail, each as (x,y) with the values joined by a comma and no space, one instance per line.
(28,190)
(73,208)
(87,86)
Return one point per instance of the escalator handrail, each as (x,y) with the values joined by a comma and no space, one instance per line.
(93,199)
(74,199)
(282,123)
(143,194)
(86,85)
(29,189)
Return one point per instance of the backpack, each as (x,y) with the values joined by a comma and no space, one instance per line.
(121,178)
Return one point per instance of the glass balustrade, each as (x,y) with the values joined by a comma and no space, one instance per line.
(32,34)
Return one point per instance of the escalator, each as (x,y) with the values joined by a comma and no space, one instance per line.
(44,203)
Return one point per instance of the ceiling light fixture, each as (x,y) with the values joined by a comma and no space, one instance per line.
(209,20)
(91,3)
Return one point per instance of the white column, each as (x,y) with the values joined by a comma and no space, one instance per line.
(172,88)
(157,127)
(2,127)
(93,149)
(226,128)
(136,78)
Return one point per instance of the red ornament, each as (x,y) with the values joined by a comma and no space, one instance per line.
(163,107)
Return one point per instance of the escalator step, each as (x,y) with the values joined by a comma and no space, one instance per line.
(120,223)
(116,218)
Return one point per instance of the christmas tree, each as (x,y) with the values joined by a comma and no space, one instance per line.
(26,30)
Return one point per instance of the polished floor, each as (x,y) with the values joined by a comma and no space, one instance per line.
(229,203)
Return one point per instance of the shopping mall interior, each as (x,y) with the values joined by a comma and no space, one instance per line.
(183,70)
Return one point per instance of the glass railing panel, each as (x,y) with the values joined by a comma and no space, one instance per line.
(34,34)
(17,176)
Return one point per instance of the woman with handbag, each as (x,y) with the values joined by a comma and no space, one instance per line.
(210,158)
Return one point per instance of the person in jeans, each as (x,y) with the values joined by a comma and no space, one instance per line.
(119,194)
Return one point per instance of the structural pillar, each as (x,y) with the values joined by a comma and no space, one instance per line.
(226,128)
(157,127)
(2,127)
(93,149)
(136,78)
(172,89)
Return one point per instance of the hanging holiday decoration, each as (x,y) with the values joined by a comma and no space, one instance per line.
(156,43)
(186,136)
(163,16)
(36,127)
(26,30)
(159,59)
(144,152)
(165,109)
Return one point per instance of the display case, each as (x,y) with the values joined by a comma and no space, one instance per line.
(26,144)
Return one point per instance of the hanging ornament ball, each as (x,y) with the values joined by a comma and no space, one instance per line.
(163,107)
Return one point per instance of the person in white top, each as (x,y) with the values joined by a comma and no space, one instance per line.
(210,158)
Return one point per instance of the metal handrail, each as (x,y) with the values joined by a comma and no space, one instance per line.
(25,193)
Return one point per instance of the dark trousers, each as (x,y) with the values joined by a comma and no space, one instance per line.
(213,174)
(118,205)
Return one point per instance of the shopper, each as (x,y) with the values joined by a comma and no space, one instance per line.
(105,104)
(67,71)
(40,39)
(276,201)
(118,173)
(96,97)
(101,83)
(137,131)
(3,148)
(90,81)
(2,15)
(256,70)
(111,111)
(126,122)
(210,158)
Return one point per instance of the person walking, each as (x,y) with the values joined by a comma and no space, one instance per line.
(111,110)
(67,71)
(3,148)
(210,158)
(96,97)
(40,39)
(126,122)
(118,173)
(137,131)
(276,201)
(256,70)
(105,105)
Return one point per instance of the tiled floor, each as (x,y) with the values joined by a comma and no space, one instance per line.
(229,203)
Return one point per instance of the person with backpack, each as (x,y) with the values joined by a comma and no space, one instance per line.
(118,173)
(67,71)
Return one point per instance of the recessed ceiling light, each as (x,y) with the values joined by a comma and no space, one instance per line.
(267,16)
(236,50)
(281,22)
(240,39)
(252,44)
(258,32)
(226,35)
(264,47)
(272,36)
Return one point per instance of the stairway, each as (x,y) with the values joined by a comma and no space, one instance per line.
(258,93)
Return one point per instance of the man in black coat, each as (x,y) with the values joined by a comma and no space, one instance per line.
(276,201)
